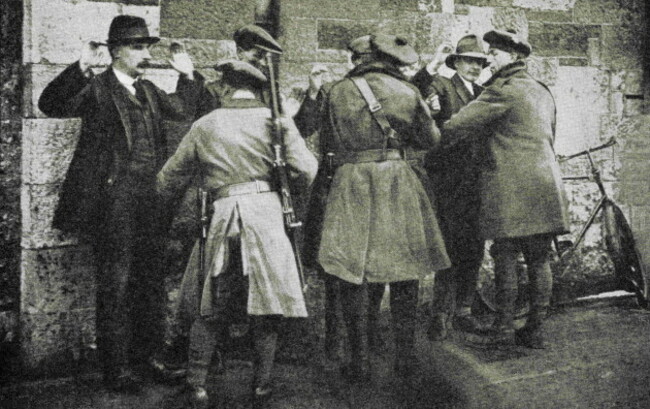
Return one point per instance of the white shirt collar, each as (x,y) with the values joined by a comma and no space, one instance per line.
(125,80)
(468,85)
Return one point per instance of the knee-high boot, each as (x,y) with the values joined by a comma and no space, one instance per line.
(354,309)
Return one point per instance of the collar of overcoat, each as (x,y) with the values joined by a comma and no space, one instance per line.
(376,66)
(507,71)
(109,81)
(462,91)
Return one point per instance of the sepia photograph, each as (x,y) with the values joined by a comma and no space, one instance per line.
(301,204)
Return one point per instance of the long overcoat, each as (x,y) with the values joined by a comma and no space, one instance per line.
(521,187)
(379,224)
(232,145)
(102,152)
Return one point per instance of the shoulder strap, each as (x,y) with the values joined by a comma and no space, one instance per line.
(375,109)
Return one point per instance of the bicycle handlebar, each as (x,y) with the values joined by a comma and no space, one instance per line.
(611,142)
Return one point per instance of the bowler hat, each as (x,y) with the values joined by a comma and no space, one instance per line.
(237,70)
(467,47)
(394,47)
(507,41)
(127,29)
(251,36)
(360,45)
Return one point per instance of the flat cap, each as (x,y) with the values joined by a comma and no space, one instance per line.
(507,41)
(236,68)
(251,36)
(360,45)
(394,47)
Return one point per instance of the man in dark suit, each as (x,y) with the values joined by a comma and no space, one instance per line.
(455,174)
(109,190)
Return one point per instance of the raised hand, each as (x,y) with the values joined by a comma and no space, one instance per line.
(92,54)
(180,60)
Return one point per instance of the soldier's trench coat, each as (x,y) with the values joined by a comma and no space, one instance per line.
(232,145)
(379,224)
(521,187)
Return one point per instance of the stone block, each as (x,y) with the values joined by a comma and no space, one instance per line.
(598,12)
(301,44)
(57,28)
(437,29)
(37,208)
(48,145)
(399,5)
(508,18)
(207,19)
(633,82)
(635,193)
(485,3)
(336,9)
(60,279)
(593,51)
(130,2)
(549,16)
(562,5)
(622,47)
(543,69)
(8,326)
(336,34)
(204,53)
(582,98)
(567,40)
(574,61)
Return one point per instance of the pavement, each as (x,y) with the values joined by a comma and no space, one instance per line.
(598,357)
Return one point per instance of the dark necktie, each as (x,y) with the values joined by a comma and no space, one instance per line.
(139,92)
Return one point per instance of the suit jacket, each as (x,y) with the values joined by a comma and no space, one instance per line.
(102,153)
(521,187)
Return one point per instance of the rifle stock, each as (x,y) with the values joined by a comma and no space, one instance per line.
(204,224)
(291,222)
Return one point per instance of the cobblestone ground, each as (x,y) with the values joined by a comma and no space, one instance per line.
(598,357)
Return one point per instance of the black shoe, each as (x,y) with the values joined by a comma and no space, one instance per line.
(197,397)
(122,381)
(469,323)
(437,330)
(530,337)
(164,372)
(260,397)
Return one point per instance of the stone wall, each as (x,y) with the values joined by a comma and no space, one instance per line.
(588,52)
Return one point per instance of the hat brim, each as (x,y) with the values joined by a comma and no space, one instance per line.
(135,40)
(451,59)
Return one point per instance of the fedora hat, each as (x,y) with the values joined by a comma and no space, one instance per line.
(360,45)
(237,70)
(252,35)
(127,29)
(507,41)
(467,47)
(394,47)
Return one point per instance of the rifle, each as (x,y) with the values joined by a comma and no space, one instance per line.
(291,222)
(204,225)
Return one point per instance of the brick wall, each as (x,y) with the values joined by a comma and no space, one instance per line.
(588,52)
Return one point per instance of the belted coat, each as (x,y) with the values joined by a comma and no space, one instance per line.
(379,224)
(102,153)
(521,187)
(232,145)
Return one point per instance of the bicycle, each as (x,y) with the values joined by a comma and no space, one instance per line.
(619,243)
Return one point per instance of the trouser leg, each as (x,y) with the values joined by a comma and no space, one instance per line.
(375,295)
(536,253)
(467,274)
(403,305)
(353,309)
(205,334)
(265,334)
(331,320)
(505,252)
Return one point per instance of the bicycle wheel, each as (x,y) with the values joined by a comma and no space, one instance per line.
(621,247)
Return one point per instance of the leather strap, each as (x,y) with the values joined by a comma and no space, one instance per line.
(375,109)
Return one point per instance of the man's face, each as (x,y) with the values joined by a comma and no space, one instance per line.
(469,68)
(499,59)
(131,58)
(255,56)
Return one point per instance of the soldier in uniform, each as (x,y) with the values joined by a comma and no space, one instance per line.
(523,203)
(109,189)
(379,226)
(455,181)
(250,264)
